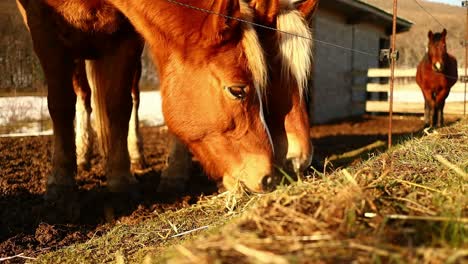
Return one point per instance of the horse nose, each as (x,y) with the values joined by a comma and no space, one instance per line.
(269,183)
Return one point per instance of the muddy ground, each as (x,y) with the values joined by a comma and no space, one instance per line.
(32,226)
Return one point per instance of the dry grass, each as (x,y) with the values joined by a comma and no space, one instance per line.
(404,206)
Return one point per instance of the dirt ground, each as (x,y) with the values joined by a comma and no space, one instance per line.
(32,226)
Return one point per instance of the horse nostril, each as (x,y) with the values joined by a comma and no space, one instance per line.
(268,183)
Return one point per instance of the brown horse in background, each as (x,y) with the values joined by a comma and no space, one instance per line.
(88,47)
(436,74)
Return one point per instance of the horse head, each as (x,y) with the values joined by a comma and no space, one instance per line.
(437,50)
(289,56)
(213,85)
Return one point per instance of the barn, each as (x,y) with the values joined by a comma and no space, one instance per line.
(341,26)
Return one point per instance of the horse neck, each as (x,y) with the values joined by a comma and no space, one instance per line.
(165,19)
(165,25)
(171,29)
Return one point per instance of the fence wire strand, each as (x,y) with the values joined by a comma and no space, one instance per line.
(271,28)
(289,33)
(429,13)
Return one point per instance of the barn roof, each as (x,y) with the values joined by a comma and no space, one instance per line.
(357,12)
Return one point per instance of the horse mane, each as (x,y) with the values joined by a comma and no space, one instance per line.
(295,49)
(256,61)
(253,50)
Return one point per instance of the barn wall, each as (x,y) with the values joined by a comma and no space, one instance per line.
(332,96)
(366,38)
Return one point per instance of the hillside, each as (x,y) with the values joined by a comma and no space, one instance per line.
(412,44)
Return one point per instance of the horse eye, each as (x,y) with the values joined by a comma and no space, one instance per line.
(236,92)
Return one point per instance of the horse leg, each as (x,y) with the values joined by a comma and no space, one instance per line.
(441,113)
(174,178)
(58,68)
(433,114)
(427,113)
(83,130)
(134,139)
(61,99)
(440,102)
(111,79)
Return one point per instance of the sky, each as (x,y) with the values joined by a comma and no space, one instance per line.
(451,2)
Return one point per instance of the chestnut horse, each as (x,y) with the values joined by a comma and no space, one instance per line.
(213,79)
(84,47)
(289,57)
(436,74)
(289,62)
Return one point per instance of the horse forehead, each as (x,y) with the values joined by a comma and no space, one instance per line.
(437,38)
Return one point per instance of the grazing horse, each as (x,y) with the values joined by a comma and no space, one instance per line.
(289,56)
(213,77)
(88,47)
(436,74)
(289,63)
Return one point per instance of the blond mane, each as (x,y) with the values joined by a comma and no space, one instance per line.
(253,50)
(295,49)
(256,61)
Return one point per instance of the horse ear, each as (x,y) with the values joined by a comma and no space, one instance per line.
(430,34)
(307,8)
(222,9)
(444,33)
(266,11)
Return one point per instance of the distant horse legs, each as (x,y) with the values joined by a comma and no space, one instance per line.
(440,114)
(134,140)
(83,130)
(427,114)
(111,78)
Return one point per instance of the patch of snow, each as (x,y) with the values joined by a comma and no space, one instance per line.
(34,109)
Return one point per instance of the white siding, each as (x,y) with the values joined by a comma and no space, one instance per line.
(332,93)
